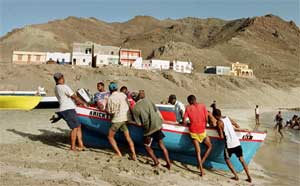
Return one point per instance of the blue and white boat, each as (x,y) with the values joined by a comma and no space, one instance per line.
(95,126)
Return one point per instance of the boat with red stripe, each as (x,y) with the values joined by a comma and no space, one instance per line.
(95,126)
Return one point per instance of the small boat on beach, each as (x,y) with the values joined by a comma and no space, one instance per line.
(95,126)
(26,100)
(19,102)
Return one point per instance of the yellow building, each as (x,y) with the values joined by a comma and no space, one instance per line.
(25,57)
(241,70)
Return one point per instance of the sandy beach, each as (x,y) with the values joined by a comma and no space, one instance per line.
(35,152)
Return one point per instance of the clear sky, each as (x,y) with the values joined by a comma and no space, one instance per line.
(18,13)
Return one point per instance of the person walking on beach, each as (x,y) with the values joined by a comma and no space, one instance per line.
(256,111)
(279,123)
(146,114)
(65,97)
(232,142)
(198,117)
(118,108)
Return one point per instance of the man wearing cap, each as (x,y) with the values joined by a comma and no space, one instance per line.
(179,107)
(65,97)
(118,108)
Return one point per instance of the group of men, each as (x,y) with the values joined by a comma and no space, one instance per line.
(135,108)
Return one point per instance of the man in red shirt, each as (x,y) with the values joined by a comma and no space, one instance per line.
(198,116)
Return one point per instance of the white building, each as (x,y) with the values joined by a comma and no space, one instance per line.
(61,58)
(82,54)
(106,55)
(160,64)
(219,70)
(138,63)
(181,66)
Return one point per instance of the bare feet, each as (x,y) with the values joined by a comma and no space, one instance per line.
(202,173)
(168,166)
(73,149)
(236,178)
(249,180)
(155,165)
(133,157)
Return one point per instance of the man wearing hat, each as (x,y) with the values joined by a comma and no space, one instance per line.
(118,108)
(66,98)
(179,107)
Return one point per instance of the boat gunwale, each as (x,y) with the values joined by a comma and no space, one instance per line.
(173,124)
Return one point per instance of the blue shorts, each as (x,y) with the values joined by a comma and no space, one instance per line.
(70,117)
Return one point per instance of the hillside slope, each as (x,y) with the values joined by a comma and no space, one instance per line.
(270,45)
(229,92)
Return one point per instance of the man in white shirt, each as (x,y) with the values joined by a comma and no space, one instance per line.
(118,108)
(65,97)
(232,143)
(179,107)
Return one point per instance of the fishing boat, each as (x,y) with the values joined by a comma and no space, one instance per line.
(20,100)
(95,126)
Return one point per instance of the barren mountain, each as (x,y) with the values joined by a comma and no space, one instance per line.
(270,45)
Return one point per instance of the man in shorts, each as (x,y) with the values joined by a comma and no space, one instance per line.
(65,97)
(118,108)
(146,114)
(232,142)
(198,116)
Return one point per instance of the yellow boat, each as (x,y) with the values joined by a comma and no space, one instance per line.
(8,102)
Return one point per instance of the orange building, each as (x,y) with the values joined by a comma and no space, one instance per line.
(129,56)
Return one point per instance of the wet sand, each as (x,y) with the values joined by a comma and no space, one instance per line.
(280,158)
(35,152)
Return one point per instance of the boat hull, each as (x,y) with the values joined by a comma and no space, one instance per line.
(95,126)
(47,103)
(19,102)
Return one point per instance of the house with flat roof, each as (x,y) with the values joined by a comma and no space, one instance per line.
(241,70)
(129,56)
(58,57)
(218,70)
(28,57)
(181,66)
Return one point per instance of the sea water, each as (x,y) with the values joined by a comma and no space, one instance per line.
(280,157)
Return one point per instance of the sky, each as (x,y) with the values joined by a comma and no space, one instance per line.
(18,13)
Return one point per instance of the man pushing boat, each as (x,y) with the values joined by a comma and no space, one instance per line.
(232,142)
(198,117)
(146,114)
(65,97)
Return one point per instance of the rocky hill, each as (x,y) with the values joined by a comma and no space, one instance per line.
(270,45)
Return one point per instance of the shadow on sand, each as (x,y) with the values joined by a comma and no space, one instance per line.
(51,138)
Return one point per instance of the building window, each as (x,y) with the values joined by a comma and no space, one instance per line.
(112,53)
(83,60)
(88,51)
(20,57)
(74,60)
(63,60)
